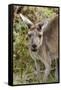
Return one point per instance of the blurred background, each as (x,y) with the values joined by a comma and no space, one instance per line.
(23,65)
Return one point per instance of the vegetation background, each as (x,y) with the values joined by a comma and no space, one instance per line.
(23,65)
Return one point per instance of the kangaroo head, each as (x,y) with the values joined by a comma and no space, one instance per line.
(35,37)
(35,33)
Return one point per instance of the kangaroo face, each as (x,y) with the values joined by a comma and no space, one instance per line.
(35,38)
(35,34)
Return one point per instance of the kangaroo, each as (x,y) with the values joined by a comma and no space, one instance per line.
(43,43)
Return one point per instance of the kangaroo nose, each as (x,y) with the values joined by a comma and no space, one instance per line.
(34,45)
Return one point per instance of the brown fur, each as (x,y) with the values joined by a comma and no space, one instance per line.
(49,49)
(47,45)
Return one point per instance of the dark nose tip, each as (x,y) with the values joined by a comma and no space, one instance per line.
(34,45)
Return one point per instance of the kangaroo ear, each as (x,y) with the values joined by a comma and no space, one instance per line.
(26,20)
(45,26)
(42,26)
(39,26)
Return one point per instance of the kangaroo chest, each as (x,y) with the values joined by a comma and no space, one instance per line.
(37,56)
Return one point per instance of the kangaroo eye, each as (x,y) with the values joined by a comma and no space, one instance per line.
(39,36)
(29,35)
